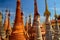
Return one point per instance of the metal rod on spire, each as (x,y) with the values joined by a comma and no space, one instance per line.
(54,7)
(46,4)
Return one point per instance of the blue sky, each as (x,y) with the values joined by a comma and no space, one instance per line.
(28,7)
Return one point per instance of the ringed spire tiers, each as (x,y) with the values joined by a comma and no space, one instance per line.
(18,32)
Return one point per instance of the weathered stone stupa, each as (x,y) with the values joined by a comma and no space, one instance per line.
(36,33)
(47,23)
(7,27)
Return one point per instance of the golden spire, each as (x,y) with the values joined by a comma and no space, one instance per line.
(46,4)
(18,32)
(46,13)
(47,23)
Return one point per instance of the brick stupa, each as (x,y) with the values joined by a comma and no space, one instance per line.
(18,32)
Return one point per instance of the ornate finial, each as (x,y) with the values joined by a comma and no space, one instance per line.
(47,13)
